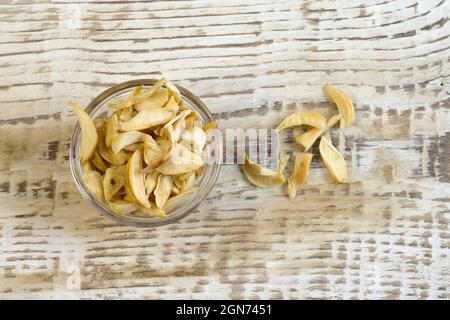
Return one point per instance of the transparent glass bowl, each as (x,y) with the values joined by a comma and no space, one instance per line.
(98,108)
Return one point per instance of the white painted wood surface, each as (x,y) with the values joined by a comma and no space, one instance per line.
(385,235)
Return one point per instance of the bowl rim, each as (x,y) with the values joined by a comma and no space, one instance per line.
(97,204)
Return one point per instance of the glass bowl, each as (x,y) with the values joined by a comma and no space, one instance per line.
(98,108)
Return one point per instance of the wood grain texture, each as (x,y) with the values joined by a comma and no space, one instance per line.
(384,235)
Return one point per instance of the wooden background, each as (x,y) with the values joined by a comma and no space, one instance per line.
(384,235)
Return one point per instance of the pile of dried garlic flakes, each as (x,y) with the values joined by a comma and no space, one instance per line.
(318,127)
(147,155)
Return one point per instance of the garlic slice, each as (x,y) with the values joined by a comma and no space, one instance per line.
(181,160)
(97,161)
(135,177)
(88,131)
(123,207)
(155,101)
(113,181)
(156,87)
(263,177)
(150,182)
(154,212)
(154,154)
(300,173)
(133,147)
(145,119)
(176,200)
(112,126)
(194,139)
(172,105)
(308,138)
(174,92)
(308,118)
(163,190)
(343,103)
(333,160)
(93,181)
(127,138)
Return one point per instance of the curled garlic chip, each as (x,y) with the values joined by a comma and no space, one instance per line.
(163,190)
(98,162)
(135,178)
(176,200)
(126,103)
(300,173)
(155,101)
(194,139)
(181,160)
(156,87)
(150,182)
(127,138)
(112,126)
(126,114)
(133,147)
(308,118)
(263,177)
(171,105)
(333,160)
(93,181)
(308,138)
(154,212)
(174,92)
(123,207)
(113,181)
(88,131)
(145,119)
(155,154)
(343,103)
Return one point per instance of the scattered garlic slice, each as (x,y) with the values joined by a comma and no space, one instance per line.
(308,138)
(308,118)
(89,133)
(300,173)
(263,177)
(333,160)
(163,189)
(343,103)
